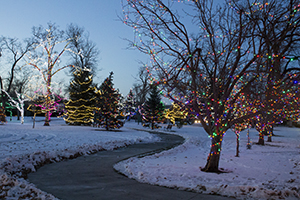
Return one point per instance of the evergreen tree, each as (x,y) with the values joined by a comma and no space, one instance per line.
(108,105)
(153,109)
(80,108)
(129,105)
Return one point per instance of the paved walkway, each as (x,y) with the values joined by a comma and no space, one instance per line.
(93,177)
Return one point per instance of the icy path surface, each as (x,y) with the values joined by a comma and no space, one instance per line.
(23,148)
(263,172)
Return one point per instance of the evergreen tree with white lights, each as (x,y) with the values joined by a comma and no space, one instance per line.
(108,105)
(153,109)
(80,107)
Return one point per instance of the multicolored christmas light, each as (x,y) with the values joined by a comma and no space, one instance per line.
(210,71)
(108,106)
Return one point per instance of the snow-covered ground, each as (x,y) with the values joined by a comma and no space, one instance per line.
(263,172)
(23,149)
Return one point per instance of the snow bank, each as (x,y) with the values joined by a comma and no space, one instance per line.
(24,149)
(263,172)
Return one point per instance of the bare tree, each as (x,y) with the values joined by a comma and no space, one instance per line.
(142,86)
(84,52)
(18,104)
(17,50)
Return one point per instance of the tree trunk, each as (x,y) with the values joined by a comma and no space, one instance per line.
(270,134)
(18,115)
(106,124)
(22,117)
(47,119)
(212,164)
(33,125)
(237,143)
(261,140)
(48,101)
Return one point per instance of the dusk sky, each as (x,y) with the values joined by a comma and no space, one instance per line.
(98,17)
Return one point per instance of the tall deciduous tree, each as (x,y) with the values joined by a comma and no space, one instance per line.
(46,59)
(278,24)
(206,71)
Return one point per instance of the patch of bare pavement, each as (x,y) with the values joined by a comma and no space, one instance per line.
(92,177)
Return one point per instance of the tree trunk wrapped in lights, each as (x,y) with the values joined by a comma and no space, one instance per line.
(108,100)
(207,71)
(81,106)
(2,114)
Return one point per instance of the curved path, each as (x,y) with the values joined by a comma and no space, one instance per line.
(93,177)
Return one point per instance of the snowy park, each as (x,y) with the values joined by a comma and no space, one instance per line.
(226,73)
(271,171)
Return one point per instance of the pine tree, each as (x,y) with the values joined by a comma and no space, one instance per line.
(81,106)
(108,105)
(129,105)
(153,109)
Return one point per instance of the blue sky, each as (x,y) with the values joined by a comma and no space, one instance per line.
(98,17)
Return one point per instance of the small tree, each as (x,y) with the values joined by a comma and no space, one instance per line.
(176,113)
(153,109)
(18,104)
(129,105)
(81,106)
(108,105)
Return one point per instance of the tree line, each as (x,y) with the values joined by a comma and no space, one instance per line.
(36,60)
